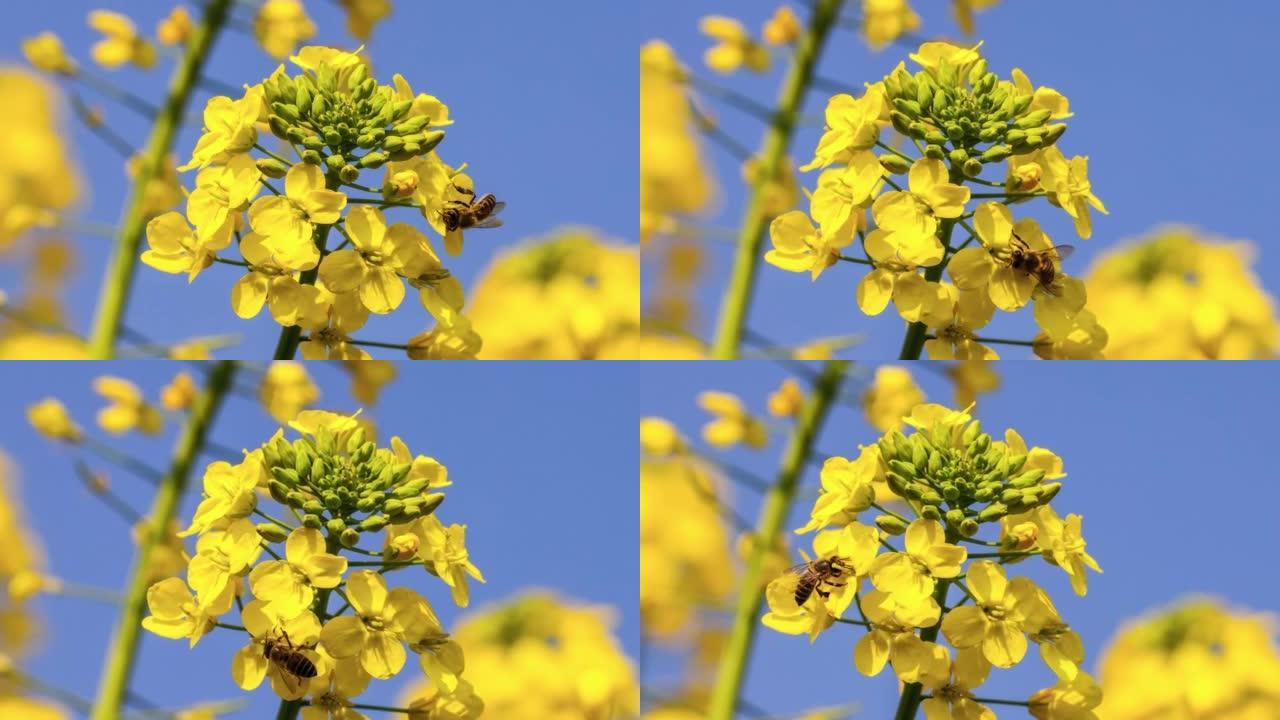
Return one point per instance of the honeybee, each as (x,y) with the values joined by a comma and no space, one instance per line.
(818,576)
(479,212)
(1038,264)
(291,661)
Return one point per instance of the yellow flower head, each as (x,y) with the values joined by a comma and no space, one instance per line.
(176,27)
(250,665)
(884,21)
(787,400)
(175,613)
(286,389)
(289,220)
(372,266)
(383,622)
(854,545)
(848,488)
(363,15)
(230,129)
(289,585)
(783,27)
(175,248)
(891,395)
(444,552)
(179,393)
(230,492)
(910,575)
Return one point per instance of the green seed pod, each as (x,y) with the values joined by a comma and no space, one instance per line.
(335,525)
(272,168)
(929,512)
(968,527)
(313,506)
(992,512)
(895,164)
(349,537)
(996,153)
(312,157)
(891,524)
(312,521)
(349,173)
(271,532)
(373,160)
(934,152)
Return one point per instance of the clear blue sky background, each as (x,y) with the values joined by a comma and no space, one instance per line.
(1162,109)
(545,109)
(1161,458)
(528,450)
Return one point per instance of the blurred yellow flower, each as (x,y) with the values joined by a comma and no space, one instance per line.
(50,418)
(363,15)
(179,393)
(286,390)
(45,52)
(674,177)
(282,25)
(731,423)
(1178,295)
(1198,660)
(783,27)
(787,400)
(890,397)
(884,21)
(20,557)
(121,42)
(586,290)
(37,179)
(174,28)
(735,47)
(128,410)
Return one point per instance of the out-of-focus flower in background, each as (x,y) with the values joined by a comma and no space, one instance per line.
(1198,660)
(1176,295)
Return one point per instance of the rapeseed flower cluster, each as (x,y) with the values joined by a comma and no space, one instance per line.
(964,119)
(1199,298)
(1196,660)
(537,656)
(586,290)
(339,123)
(674,176)
(952,482)
(342,491)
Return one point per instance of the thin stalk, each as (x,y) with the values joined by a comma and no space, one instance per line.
(115,289)
(737,299)
(777,505)
(913,342)
(118,666)
(909,701)
(287,345)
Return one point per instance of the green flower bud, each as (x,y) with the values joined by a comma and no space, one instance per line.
(996,153)
(1053,132)
(336,525)
(287,112)
(891,524)
(954,132)
(895,164)
(373,160)
(935,137)
(1016,136)
(331,500)
(279,491)
(1033,140)
(312,157)
(896,483)
(349,537)
(296,499)
(313,506)
(971,432)
(411,126)
(931,497)
(304,94)
(1033,120)
(271,532)
(934,152)
(919,455)
(905,469)
(393,506)
(312,521)
(958,156)
(1049,491)
(431,502)
(272,168)
(950,492)
(288,476)
(954,516)
(968,527)
(992,512)
(335,163)
(279,126)
(349,173)
(373,523)
(1010,495)
(972,167)
(1027,479)
(929,512)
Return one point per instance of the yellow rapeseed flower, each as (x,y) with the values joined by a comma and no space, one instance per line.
(732,424)
(121,42)
(891,395)
(45,52)
(281,25)
(735,47)
(128,410)
(289,585)
(50,418)
(286,389)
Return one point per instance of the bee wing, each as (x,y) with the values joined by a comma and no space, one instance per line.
(489,222)
(1061,252)
(497,207)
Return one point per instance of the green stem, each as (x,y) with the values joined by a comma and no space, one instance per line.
(913,342)
(287,345)
(115,290)
(118,665)
(909,701)
(737,299)
(777,505)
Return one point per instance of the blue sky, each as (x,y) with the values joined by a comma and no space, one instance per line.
(1152,93)
(527,452)
(539,107)
(1161,460)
